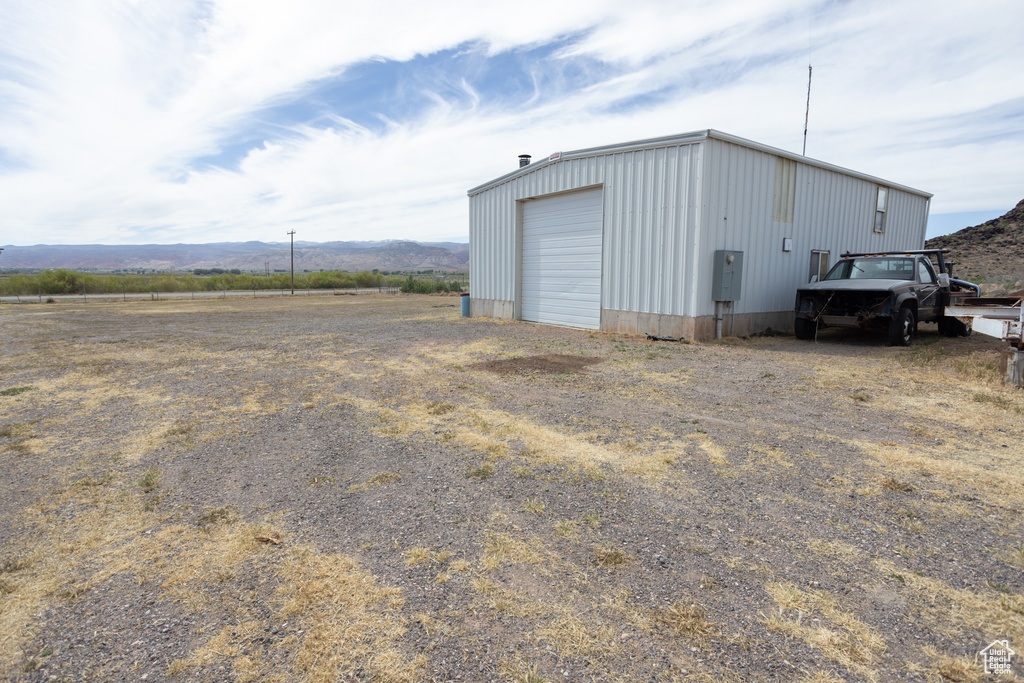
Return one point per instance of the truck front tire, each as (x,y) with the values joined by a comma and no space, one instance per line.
(901,327)
(804,328)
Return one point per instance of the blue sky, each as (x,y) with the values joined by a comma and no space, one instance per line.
(143,121)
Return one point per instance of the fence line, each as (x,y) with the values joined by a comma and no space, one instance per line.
(156,296)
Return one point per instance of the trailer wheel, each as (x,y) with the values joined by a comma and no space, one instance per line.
(951,327)
(804,328)
(901,327)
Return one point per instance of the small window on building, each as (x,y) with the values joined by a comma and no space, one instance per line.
(881,204)
(819,264)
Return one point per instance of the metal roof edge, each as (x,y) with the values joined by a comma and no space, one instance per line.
(593,151)
(695,136)
(735,139)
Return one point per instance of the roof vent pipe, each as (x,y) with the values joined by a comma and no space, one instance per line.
(524,160)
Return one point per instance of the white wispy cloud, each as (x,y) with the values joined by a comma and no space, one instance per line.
(149,121)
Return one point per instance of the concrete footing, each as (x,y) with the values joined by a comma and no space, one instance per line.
(696,328)
(490,308)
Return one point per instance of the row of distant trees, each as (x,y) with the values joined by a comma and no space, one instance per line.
(61,281)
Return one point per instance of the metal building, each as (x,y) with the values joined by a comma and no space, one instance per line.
(685,236)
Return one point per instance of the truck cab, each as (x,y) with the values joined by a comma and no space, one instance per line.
(889,291)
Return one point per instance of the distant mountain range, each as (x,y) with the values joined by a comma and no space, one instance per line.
(991,254)
(257,256)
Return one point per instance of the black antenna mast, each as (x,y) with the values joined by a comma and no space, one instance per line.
(807,113)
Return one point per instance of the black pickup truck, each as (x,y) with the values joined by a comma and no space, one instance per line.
(891,291)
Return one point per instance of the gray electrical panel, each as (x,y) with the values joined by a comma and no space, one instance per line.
(727,280)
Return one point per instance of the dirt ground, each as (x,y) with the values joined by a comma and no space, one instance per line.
(374,488)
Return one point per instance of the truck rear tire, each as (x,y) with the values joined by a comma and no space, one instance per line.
(951,327)
(901,327)
(804,328)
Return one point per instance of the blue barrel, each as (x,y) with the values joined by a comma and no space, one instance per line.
(465,304)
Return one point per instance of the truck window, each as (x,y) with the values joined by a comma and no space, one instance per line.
(925,272)
(873,269)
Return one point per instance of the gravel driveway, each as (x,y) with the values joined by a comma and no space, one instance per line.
(374,488)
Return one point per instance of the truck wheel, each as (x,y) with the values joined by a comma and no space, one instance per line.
(804,328)
(901,327)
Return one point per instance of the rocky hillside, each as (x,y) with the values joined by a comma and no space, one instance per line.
(991,254)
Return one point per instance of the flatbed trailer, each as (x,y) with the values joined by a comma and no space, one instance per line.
(999,317)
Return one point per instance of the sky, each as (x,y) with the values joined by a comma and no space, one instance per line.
(147,121)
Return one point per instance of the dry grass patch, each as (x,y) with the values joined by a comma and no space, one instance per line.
(415,556)
(492,432)
(348,622)
(503,550)
(953,669)
(54,570)
(567,528)
(713,452)
(610,557)
(850,642)
(789,597)
(571,528)
(998,475)
(1006,402)
(506,600)
(481,471)
(105,532)
(150,481)
(350,617)
(688,620)
(15,429)
(1012,555)
(656,462)
(519,670)
(572,636)
(382,479)
(533,506)
(216,516)
(942,606)
(892,484)
(438,408)
(768,456)
(833,548)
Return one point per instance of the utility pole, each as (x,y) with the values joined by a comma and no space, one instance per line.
(292,233)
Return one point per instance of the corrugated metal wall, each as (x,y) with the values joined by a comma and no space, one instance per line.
(650,211)
(668,207)
(833,212)
(492,244)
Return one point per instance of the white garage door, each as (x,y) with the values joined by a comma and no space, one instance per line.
(562,260)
